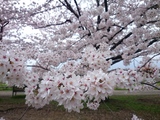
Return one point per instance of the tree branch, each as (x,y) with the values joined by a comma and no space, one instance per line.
(69,7)
(35,13)
(49,25)
(3,23)
(119,42)
(120,30)
(118,58)
(150,85)
(77,8)
(148,61)
(38,66)
(106,5)
(98,17)
(156,82)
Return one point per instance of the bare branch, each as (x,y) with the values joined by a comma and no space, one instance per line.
(150,85)
(77,7)
(46,10)
(3,23)
(69,7)
(120,30)
(38,66)
(119,42)
(98,17)
(49,25)
(148,61)
(106,5)
(156,82)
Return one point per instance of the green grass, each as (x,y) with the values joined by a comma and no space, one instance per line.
(158,84)
(135,103)
(120,88)
(148,104)
(13,100)
(4,87)
(116,108)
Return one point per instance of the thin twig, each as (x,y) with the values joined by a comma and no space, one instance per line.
(108,107)
(148,61)
(156,82)
(150,85)
(23,113)
(38,66)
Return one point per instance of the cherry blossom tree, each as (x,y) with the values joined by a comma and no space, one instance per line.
(74,43)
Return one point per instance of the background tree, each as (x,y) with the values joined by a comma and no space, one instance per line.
(74,43)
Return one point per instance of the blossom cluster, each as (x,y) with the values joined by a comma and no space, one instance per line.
(128,79)
(98,86)
(132,79)
(149,71)
(11,68)
(135,117)
(2,118)
(69,89)
(96,59)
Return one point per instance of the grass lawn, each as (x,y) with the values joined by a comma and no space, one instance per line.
(116,108)
(136,104)
(4,87)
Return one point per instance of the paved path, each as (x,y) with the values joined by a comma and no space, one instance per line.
(116,92)
(9,93)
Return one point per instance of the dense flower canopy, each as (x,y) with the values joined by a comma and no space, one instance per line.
(73,43)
